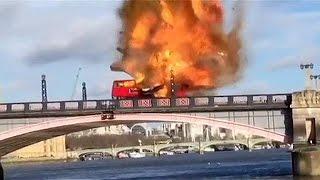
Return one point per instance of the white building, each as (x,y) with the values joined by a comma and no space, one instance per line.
(116,130)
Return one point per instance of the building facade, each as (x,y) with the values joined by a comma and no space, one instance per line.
(54,148)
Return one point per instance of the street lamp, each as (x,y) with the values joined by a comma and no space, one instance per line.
(315,77)
(140,144)
(172,83)
(308,68)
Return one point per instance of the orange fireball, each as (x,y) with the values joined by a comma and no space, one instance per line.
(185,37)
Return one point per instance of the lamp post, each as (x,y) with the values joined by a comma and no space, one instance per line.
(84,92)
(308,68)
(172,84)
(44,88)
(140,144)
(315,78)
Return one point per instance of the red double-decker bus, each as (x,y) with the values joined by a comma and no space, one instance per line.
(123,89)
(127,89)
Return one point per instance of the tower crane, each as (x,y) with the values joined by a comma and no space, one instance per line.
(75,83)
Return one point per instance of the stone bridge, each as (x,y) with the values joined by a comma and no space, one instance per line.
(249,143)
(17,138)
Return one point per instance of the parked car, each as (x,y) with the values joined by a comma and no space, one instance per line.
(93,156)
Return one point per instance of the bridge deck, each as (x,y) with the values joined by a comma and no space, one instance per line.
(156,105)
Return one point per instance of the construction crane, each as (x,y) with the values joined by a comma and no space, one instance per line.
(75,84)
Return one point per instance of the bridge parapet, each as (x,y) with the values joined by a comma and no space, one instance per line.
(188,104)
(55,108)
(207,101)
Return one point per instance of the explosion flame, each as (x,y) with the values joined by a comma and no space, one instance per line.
(185,37)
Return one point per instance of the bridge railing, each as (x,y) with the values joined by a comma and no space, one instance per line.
(215,101)
(182,102)
(56,106)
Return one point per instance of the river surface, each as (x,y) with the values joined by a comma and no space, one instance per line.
(258,164)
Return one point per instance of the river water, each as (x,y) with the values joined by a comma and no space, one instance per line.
(258,164)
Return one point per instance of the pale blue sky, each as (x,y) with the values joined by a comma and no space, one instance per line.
(56,38)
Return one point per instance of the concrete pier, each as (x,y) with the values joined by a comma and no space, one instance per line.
(306,161)
(306,134)
(1,172)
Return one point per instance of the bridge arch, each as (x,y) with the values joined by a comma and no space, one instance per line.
(166,146)
(254,142)
(249,143)
(240,141)
(23,136)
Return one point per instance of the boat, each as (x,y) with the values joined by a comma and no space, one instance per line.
(236,148)
(267,146)
(166,153)
(94,156)
(137,155)
(180,150)
(209,149)
(123,155)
